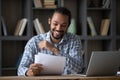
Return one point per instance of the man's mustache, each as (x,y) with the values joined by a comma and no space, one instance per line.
(59,31)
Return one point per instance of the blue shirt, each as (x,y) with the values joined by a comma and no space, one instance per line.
(70,47)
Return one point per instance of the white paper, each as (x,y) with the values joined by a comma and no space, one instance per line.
(51,64)
(118,73)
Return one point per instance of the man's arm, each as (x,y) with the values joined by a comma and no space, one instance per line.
(74,63)
(27,58)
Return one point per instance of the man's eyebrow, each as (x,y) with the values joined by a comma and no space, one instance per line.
(58,22)
(55,21)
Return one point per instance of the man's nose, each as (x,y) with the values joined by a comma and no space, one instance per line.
(59,27)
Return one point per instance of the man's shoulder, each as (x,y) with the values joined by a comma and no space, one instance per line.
(39,37)
(73,36)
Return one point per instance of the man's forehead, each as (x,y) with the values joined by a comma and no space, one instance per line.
(60,18)
(59,14)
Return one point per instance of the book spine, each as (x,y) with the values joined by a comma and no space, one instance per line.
(39,25)
(91,26)
(22,27)
(105,27)
(37,3)
(17,28)
(36,27)
(4,27)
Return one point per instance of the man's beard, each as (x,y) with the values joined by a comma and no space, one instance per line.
(54,34)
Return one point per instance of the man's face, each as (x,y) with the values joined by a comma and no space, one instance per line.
(58,25)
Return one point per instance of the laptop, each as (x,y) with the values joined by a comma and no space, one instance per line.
(103,63)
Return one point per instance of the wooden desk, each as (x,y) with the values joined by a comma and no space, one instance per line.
(68,77)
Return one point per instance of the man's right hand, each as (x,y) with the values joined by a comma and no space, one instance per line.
(46,45)
(34,69)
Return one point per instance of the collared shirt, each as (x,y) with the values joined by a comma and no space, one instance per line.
(70,47)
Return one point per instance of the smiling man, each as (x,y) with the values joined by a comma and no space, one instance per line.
(55,42)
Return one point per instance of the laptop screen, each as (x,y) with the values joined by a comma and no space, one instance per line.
(103,63)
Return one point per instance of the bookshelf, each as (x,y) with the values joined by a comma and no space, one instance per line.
(82,9)
(13,10)
(12,46)
(98,13)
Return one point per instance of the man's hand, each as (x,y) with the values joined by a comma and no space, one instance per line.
(46,45)
(34,69)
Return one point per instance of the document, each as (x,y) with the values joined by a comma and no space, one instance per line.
(118,72)
(51,64)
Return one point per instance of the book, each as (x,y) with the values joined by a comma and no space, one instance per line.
(17,28)
(91,26)
(50,6)
(38,3)
(104,27)
(106,3)
(72,27)
(38,26)
(4,27)
(20,27)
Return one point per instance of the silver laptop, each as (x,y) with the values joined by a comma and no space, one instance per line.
(103,63)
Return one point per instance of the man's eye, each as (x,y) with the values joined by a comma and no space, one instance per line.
(54,24)
(63,25)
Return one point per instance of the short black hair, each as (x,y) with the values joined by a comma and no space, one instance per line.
(64,11)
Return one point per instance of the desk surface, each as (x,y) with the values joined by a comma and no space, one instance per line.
(67,77)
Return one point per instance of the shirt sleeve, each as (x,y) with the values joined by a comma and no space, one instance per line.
(27,58)
(74,59)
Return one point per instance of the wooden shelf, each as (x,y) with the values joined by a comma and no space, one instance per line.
(10,68)
(43,8)
(18,38)
(98,8)
(99,38)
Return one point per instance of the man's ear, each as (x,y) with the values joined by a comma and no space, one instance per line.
(49,20)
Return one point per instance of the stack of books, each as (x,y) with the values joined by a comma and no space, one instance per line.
(45,3)
(49,4)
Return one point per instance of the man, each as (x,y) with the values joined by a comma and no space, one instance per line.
(55,42)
